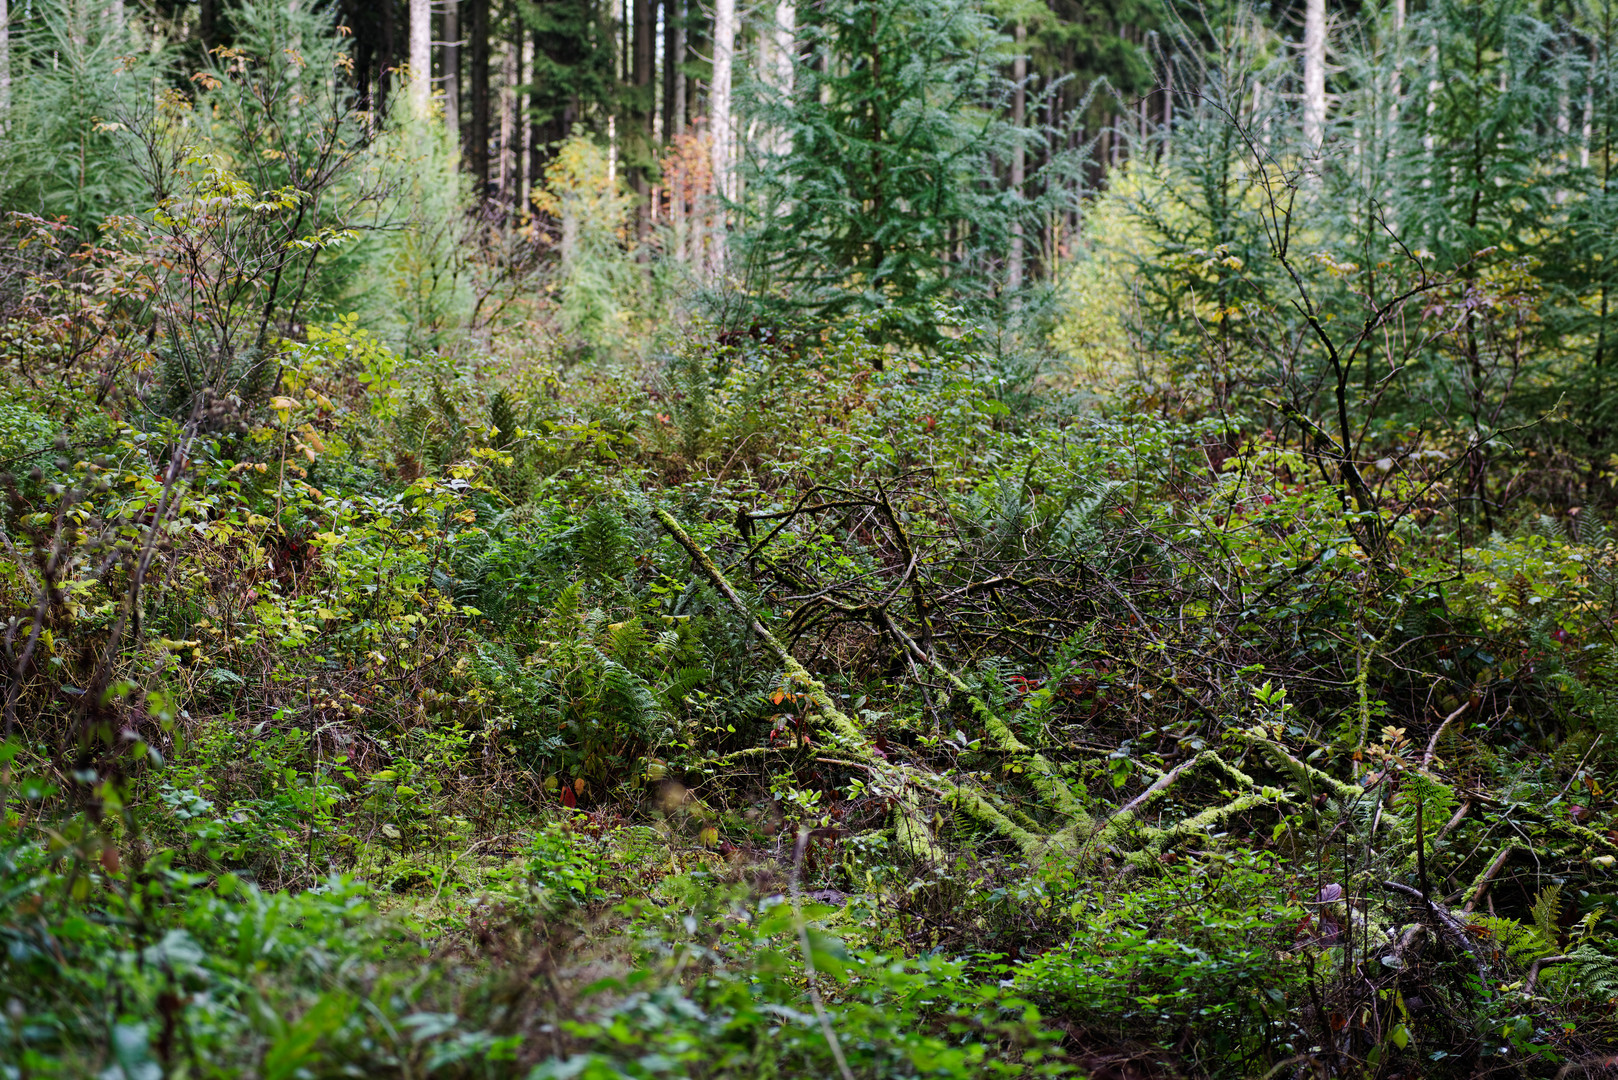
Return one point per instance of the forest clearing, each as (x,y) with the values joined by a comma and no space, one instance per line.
(877,538)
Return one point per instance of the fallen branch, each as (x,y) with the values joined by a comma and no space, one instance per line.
(1450,926)
(1051,787)
(1432,744)
(1480,884)
(910,828)
(1544,961)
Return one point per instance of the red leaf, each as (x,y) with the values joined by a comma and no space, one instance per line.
(568,798)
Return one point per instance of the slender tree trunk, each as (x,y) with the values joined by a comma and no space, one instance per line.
(786,43)
(644,70)
(1314,73)
(388,60)
(644,63)
(450,60)
(673,117)
(724,48)
(477,147)
(1168,104)
(1587,130)
(421,56)
(776,67)
(1019,108)
(536,130)
(527,131)
(681,50)
(5,66)
(208,23)
(508,123)
(1396,91)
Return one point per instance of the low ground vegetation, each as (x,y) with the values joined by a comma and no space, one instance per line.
(433,650)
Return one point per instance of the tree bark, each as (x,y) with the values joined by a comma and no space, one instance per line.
(477,144)
(724,48)
(208,23)
(536,130)
(508,122)
(673,80)
(387,59)
(5,66)
(1019,108)
(450,60)
(421,57)
(783,54)
(1314,73)
(682,84)
(1587,128)
(645,108)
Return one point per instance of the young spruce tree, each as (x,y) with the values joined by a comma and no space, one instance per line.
(885,189)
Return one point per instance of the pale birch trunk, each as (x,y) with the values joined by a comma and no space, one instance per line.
(1019,109)
(677,121)
(1314,73)
(5,64)
(452,69)
(421,56)
(508,123)
(1398,59)
(724,49)
(527,130)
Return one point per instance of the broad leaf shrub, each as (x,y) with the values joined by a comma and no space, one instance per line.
(1201,963)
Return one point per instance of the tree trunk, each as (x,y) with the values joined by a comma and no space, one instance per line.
(536,130)
(421,57)
(640,138)
(526,129)
(387,60)
(477,146)
(531,167)
(682,36)
(724,47)
(1168,104)
(1587,129)
(1314,73)
(783,54)
(673,56)
(508,122)
(208,23)
(1396,91)
(1019,109)
(450,60)
(5,66)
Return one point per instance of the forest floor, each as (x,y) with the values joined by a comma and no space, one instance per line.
(793,708)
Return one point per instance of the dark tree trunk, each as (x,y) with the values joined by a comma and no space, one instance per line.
(698,42)
(519,124)
(640,141)
(389,58)
(208,23)
(673,50)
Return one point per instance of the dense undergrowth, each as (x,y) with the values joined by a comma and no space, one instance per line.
(431,651)
(387,727)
